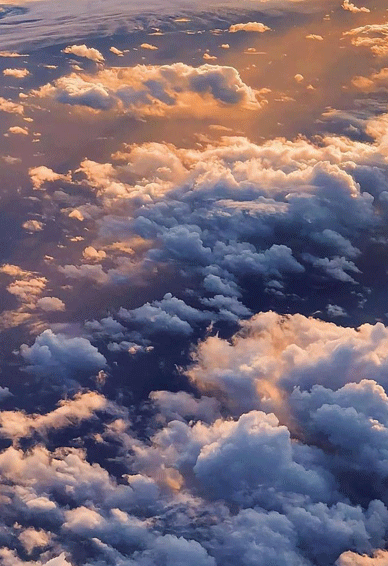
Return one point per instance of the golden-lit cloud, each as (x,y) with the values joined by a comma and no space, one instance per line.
(257,27)
(155,90)
(86,52)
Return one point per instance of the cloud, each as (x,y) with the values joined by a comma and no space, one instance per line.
(192,464)
(71,412)
(314,36)
(91,254)
(272,354)
(208,57)
(27,289)
(116,51)
(148,46)
(31,539)
(271,447)
(168,315)
(347,5)
(61,355)
(18,130)
(372,36)
(10,558)
(50,304)
(376,82)
(352,559)
(84,51)
(16,73)
(170,549)
(336,267)
(33,225)
(12,54)
(155,90)
(249,27)
(335,310)
(317,195)
(254,453)
(11,107)
(42,174)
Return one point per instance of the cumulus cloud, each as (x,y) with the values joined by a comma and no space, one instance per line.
(32,538)
(352,559)
(33,225)
(168,315)
(50,304)
(84,51)
(42,174)
(347,5)
(153,89)
(148,46)
(15,424)
(16,73)
(116,51)
(272,354)
(11,107)
(282,484)
(250,27)
(29,288)
(18,130)
(62,356)
(372,36)
(318,195)
(271,447)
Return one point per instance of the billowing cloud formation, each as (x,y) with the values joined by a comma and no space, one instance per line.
(153,263)
(249,488)
(154,90)
(42,174)
(56,354)
(374,37)
(273,354)
(217,210)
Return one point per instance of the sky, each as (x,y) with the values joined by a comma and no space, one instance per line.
(193,283)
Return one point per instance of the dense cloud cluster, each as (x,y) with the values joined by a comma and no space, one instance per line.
(229,211)
(152,90)
(205,489)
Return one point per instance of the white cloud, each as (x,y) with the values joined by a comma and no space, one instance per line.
(11,107)
(84,51)
(50,304)
(155,90)
(42,174)
(16,73)
(58,354)
(70,412)
(249,27)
